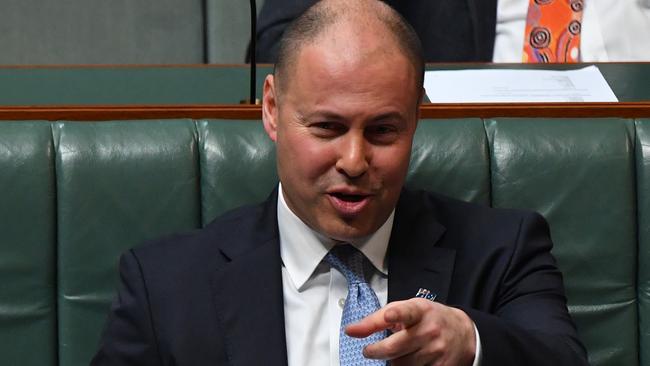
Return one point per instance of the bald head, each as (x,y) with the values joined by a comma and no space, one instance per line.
(361,29)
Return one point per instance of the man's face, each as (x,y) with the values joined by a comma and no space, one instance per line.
(343,126)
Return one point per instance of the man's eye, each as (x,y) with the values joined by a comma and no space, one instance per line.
(382,134)
(382,129)
(325,125)
(327,128)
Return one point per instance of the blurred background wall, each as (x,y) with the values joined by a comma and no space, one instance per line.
(47,32)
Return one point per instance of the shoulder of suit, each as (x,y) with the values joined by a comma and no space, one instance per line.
(205,241)
(446,208)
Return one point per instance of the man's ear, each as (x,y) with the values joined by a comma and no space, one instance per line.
(270,108)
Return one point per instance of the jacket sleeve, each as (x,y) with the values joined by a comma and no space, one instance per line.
(531,324)
(128,337)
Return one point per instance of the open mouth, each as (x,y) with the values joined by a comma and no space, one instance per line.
(349,197)
(347,204)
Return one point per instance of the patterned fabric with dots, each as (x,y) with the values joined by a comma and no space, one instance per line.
(361,302)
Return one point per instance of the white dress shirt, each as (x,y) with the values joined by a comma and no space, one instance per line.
(612,30)
(314,293)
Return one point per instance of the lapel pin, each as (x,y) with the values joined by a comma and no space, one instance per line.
(426,294)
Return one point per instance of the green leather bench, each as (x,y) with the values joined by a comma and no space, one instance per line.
(74,195)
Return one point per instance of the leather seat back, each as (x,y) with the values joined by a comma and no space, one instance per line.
(77,194)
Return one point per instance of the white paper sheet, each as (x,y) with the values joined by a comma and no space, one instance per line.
(517,86)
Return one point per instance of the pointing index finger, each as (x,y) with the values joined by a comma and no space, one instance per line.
(394,316)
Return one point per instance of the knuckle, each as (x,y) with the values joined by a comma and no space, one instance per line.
(409,317)
(391,350)
(422,304)
(434,332)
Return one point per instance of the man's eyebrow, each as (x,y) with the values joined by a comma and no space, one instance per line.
(326,115)
(333,116)
(389,116)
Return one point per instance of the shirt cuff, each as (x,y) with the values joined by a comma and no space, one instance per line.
(479,353)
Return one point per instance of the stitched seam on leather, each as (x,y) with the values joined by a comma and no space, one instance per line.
(489,163)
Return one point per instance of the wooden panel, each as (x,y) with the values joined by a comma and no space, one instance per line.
(243,111)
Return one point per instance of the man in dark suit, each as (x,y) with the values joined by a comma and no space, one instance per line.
(450,30)
(452,283)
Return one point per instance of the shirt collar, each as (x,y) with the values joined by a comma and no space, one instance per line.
(302,248)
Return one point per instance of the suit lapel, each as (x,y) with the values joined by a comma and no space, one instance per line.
(248,297)
(247,291)
(414,259)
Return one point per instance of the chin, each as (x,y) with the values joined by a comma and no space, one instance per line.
(348,232)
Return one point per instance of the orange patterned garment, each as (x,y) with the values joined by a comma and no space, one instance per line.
(553,31)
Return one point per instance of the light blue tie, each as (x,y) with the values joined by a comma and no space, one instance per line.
(361,302)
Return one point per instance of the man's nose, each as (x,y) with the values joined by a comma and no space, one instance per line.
(354,156)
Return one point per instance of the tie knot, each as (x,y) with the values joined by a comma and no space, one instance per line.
(347,260)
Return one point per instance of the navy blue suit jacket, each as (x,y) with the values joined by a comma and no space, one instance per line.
(450,30)
(214,297)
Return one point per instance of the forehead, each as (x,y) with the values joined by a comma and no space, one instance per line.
(348,61)
(327,86)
